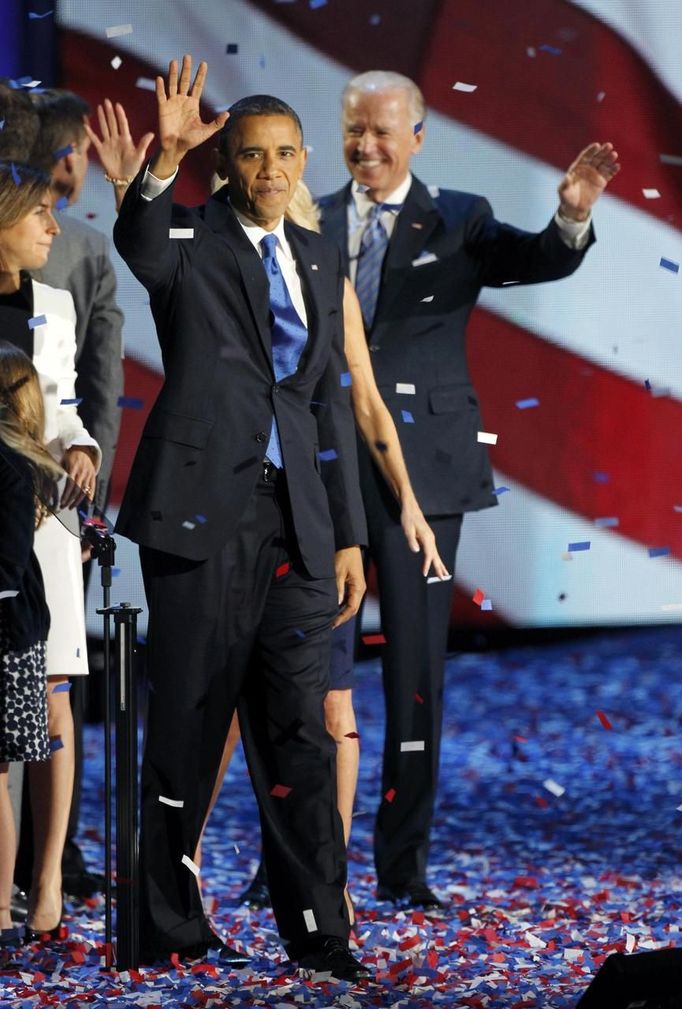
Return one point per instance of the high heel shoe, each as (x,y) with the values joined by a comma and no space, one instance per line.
(45,934)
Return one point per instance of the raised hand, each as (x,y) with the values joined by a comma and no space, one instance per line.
(180,125)
(121,158)
(586,179)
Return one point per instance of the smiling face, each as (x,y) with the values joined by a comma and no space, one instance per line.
(379,139)
(26,244)
(264,160)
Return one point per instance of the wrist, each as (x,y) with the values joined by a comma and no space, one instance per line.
(571,216)
(165,165)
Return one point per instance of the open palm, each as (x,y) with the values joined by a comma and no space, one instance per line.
(180,125)
(587,178)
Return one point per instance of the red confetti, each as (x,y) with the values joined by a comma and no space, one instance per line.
(478,597)
(282,570)
(280,791)
(352,735)
(390,795)
(419,699)
(373,639)
(604,720)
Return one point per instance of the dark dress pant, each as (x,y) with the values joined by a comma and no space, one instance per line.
(246,627)
(414,620)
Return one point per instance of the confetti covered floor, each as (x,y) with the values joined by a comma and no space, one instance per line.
(555,843)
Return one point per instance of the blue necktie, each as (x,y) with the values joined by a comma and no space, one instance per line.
(289,335)
(372,251)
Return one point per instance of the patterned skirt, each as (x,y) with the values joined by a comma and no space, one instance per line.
(23,701)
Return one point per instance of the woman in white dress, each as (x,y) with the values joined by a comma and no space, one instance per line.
(41,321)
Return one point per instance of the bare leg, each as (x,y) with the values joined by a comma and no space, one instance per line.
(8,845)
(51,784)
(233,736)
(340,719)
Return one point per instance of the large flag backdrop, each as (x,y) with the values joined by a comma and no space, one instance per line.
(599,459)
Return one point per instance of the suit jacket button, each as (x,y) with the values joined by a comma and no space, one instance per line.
(261,437)
(374,346)
(275,388)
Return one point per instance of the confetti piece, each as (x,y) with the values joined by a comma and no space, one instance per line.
(609,522)
(231,48)
(604,720)
(426,300)
(417,126)
(601,95)
(2,124)
(188,525)
(419,699)
(192,866)
(486,438)
(63,152)
(407,417)
(130,402)
(651,194)
(580,545)
(553,787)
(116,62)
(181,232)
(346,379)
(670,159)
(61,688)
(308,915)
(526,404)
(668,264)
(201,519)
(280,791)
(500,490)
(282,570)
(145,84)
(671,607)
(435,578)
(115,30)
(373,639)
(412,746)
(56,743)
(478,597)
(553,50)
(487,604)
(62,203)
(352,735)
(461,86)
(600,477)
(389,796)
(425,259)
(328,455)
(659,551)
(175,803)
(530,51)
(405,389)
(33,16)
(37,320)
(70,402)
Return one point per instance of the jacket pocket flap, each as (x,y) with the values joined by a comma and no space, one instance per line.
(192,431)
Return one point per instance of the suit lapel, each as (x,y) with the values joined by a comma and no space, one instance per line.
(312,278)
(221,219)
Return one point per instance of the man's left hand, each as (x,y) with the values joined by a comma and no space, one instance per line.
(586,179)
(350,582)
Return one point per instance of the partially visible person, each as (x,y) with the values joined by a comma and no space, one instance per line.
(41,321)
(26,468)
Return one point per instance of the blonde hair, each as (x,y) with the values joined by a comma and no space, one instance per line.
(22,414)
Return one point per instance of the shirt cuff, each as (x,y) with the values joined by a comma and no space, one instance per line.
(152,187)
(574,233)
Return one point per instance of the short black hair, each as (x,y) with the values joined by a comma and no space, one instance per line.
(21,123)
(61,115)
(256,105)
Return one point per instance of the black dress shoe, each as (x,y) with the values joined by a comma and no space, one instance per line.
(416,894)
(333,957)
(257,894)
(83,884)
(199,951)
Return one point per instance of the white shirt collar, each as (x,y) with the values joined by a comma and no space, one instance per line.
(255,233)
(363,203)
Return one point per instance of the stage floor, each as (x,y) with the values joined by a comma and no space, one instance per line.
(556,842)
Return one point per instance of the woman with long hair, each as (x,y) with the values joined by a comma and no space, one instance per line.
(27,472)
(40,321)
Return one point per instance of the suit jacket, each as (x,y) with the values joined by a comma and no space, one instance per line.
(79,262)
(202,448)
(443,250)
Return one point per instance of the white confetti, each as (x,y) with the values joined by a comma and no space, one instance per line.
(412,746)
(486,438)
(435,578)
(192,866)
(651,194)
(430,298)
(116,62)
(426,257)
(146,83)
(309,919)
(176,803)
(181,232)
(534,941)
(434,192)
(670,159)
(461,86)
(630,942)
(405,388)
(189,525)
(116,30)
(554,787)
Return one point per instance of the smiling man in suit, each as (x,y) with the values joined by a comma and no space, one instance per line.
(418,262)
(246,507)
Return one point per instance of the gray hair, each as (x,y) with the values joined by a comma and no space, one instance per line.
(385,80)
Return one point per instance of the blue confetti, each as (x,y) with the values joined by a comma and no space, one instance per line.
(33,16)
(610,522)
(647,384)
(418,126)
(2,124)
(314,4)
(668,264)
(62,203)
(500,490)
(526,404)
(115,572)
(231,48)
(37,320)
(407,417)
(70,402)
(554,50)
(580,545)
(599,477)
(346,379)
(659,551)
(130,403)
(63,152)
(487,604)
(16,178)
(201,518)
(56,744)
(61,688)
(327,455)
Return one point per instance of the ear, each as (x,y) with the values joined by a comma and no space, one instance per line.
(219,164)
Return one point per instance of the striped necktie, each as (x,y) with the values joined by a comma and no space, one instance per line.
(289,335)
(372,251)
